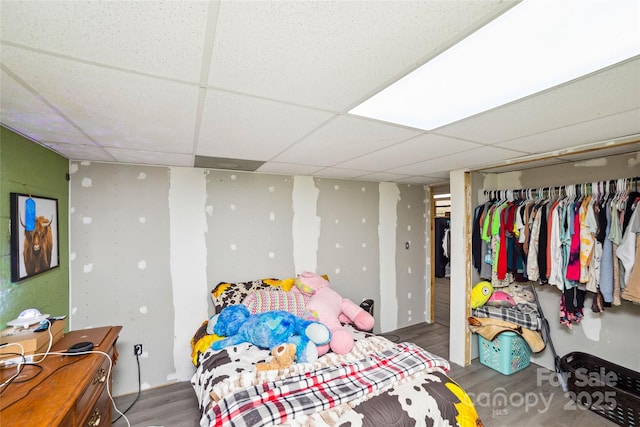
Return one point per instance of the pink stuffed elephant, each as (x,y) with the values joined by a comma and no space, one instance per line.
(331,309)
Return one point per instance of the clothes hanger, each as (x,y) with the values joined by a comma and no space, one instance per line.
(595,190)
(622,202)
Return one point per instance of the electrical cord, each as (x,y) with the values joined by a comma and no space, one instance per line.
(24,360)
(21,367)
(46,353)
(75,359)
(137,397)
(43,379)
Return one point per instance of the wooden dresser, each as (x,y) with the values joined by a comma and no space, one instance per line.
(71,390)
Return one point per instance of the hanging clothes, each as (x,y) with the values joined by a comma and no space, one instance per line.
(581,239)
(626,251)
(441,260)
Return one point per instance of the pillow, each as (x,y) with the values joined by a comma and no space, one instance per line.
(267,300)
(500,299)
(225,294)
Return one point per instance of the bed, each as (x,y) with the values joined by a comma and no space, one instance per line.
(378,383)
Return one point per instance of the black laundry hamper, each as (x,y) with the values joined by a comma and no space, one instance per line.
(607,389)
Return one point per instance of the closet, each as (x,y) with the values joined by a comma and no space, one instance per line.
(607,320)
(578,238)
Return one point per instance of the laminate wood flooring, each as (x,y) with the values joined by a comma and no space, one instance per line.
(441,304)
(527,398)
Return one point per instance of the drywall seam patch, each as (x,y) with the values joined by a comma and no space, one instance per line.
(388,219)
(188,259)
(306,224)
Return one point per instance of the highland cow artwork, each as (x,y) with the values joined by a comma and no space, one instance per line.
(34,235)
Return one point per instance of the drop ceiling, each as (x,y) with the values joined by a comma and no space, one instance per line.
(270,83)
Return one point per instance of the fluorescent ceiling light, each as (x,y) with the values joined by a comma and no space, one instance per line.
(534,46)
(442,196)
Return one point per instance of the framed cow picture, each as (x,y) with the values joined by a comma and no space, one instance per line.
(34,235)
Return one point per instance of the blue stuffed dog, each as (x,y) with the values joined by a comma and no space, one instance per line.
(268,330)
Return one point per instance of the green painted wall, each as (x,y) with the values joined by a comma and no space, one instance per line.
(23,162)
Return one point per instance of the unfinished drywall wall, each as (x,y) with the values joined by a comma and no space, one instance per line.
(306,224)
(411,255)
(149,243)
(188,259)
(120,253)
(388,213)
(249,220)
(348,246)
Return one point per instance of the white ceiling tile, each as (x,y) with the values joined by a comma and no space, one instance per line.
(440,175)
(427,180)
(384,177)
(80,151)
(163,38)
(126,75)
(611,91)
(420,148)
(338,173)
(288,168)
(24,112)
(462,160)
(232,124)
(160,114)
(332,54)
(601,129)
(144,157)
(343,139)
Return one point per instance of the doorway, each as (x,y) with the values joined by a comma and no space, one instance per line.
(441,254)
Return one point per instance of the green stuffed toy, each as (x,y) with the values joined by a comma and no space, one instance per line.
(268,330)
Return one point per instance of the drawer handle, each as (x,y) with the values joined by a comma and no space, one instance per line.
(100,376)
(94,420)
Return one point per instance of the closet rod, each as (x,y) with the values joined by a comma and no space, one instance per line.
(634,180)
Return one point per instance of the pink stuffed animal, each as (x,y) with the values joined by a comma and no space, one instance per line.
(331,309)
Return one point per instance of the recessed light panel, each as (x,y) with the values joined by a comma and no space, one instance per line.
(534,46)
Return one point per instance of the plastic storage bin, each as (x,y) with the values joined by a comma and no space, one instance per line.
(605,388)
(507,353)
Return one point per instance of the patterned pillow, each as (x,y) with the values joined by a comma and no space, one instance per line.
(225,294)
(267,300)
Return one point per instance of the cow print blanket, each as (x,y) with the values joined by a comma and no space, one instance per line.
(425,396)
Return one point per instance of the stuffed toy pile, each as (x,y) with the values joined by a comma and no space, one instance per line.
(330,309)
(268,330)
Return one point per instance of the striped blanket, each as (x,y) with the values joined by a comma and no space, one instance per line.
(276,402)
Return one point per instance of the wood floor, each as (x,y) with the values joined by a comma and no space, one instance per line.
(528,398)
(441,305)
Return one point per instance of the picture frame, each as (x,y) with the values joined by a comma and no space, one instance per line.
(37,251)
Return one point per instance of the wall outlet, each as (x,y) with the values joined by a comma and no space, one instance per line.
(137,349)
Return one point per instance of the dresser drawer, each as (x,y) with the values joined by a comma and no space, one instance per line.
(99,414)
(95,390)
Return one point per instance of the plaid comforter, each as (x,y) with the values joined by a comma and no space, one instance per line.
(278,401)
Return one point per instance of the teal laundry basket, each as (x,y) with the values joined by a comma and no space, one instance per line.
(507,353)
